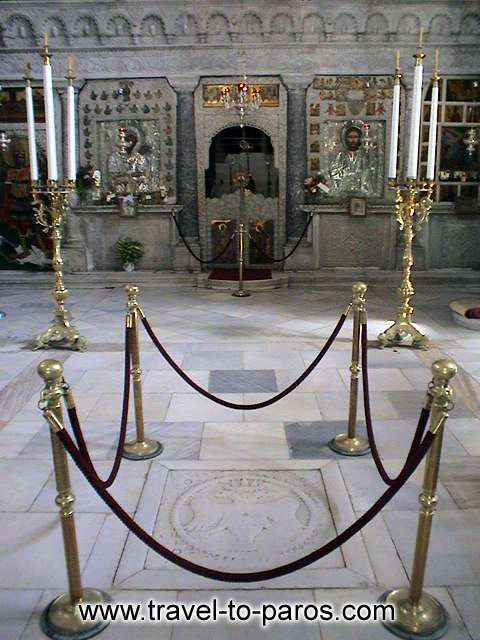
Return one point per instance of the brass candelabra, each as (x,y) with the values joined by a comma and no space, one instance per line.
(51,216)
(412,206)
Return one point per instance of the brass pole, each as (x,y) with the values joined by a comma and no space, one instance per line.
(412,206)
(141,448)
(349,444)
(240,292)
(418,614)
(61,618)
(61,333)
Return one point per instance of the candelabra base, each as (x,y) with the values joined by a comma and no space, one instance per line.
(61,619)
(60,335)
(142,450)
(399,331)
(426,620)
(345,446)
(241,294)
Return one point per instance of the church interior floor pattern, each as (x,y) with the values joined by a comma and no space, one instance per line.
(237,490)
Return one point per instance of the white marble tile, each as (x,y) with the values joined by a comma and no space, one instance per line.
(15,435)
(33,541)
(16,607)
(193,407)
(381,379)
(467,432)
(171,382)
(319,380)
(29,477)
(108,406)
(243,440)
(295,406)
(467,601)
(280,358)
(454,555)
(126,488)
(365,486)
(206,360)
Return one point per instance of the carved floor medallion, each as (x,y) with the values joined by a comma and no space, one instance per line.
(243,520)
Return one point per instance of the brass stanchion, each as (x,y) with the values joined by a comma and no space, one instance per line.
(418,614)
(240,292)
(350,444)
(141,448)
(61,619)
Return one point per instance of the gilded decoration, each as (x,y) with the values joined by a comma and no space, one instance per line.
(146,111)
(212,94)
(346,122)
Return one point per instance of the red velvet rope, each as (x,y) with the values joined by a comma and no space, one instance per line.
(251,576)
(234,405)
(421,425)
(77,430)
(193,254)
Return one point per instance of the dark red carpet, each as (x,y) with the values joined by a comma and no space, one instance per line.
(248,274)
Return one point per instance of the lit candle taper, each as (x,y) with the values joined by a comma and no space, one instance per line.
(32,143)
(412,166)
(432,134)
(392,168)
(49,114)
(71,159)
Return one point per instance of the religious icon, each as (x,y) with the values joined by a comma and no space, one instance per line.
(353,170)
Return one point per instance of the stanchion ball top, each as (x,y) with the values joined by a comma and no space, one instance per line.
(131,289)
(359,288)
(50,369)
(444,369)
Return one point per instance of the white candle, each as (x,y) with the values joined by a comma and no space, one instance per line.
(392,169)
(49,115)
(32,144)
(412,166)
(72,167)
(432,134)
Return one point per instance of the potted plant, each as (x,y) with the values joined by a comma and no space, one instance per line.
(129,252)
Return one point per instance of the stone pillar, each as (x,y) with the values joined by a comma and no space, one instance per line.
(186,154)
(296,150)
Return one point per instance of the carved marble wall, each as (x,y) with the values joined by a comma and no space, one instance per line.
(184,44)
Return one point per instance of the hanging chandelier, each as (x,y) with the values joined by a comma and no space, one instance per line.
(471,141)
(242,99)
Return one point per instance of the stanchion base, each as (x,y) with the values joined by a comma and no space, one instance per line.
(61,620)
(241,294)
(60,336)
(426,621)
(400,330)
(142,450)
(346,446)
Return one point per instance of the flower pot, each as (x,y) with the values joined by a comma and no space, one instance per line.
(128,266)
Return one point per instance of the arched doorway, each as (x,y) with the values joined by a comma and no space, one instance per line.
(246,151)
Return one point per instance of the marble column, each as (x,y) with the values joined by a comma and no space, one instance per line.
(186,154)
(296,151)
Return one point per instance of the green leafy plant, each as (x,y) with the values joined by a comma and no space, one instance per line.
(129,251)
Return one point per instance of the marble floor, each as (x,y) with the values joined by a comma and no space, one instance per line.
(238,490)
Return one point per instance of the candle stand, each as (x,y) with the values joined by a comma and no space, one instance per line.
(412,205)
(61,333)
